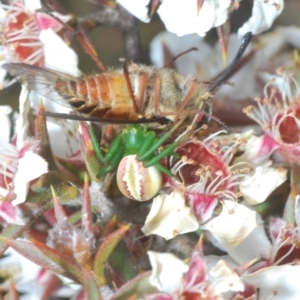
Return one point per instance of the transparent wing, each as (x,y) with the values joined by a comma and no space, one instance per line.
(40,80)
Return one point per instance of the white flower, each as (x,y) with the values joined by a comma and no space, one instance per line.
(263,15)
(257,152)
(187,17)
(182,17)
(173,278)
(19,164)
(169,216)
(22,25)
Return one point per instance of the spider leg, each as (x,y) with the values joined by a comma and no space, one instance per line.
(112,157)
(150,138)
(159,142)
(113,163)
(95,143)
(164,170)
(169,149)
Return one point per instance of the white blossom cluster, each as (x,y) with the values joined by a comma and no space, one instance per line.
(260,260)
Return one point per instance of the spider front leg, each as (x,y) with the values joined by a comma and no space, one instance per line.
(112,157)
(147,153)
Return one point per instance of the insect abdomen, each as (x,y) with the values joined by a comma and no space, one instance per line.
(102,95)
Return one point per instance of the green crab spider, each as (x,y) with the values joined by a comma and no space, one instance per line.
(136,155)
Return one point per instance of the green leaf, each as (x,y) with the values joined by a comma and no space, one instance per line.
(121,262)
(105,251)
(91,288)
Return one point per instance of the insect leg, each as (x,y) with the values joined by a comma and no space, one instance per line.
(187,97)
(142,90)
(129,87)
(167,65)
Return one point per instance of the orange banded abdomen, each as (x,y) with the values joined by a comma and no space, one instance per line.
(101,95)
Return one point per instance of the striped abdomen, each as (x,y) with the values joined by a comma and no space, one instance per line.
(101,95)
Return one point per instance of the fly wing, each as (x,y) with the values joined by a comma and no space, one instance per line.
(40,80)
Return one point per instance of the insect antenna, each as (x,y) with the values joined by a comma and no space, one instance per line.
(82,38)
(223,77)
(246,40)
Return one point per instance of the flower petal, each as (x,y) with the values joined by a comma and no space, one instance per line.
(31,166)
(240,246)
(45,21)
(32,5)
(257,150)
(181,17)
(11,214)
(167,271)
(234,223)
(58,56)
(225,279)
(276,282)
(138,8)
(254,187)
(5,123)
(169,216)
(263,15)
